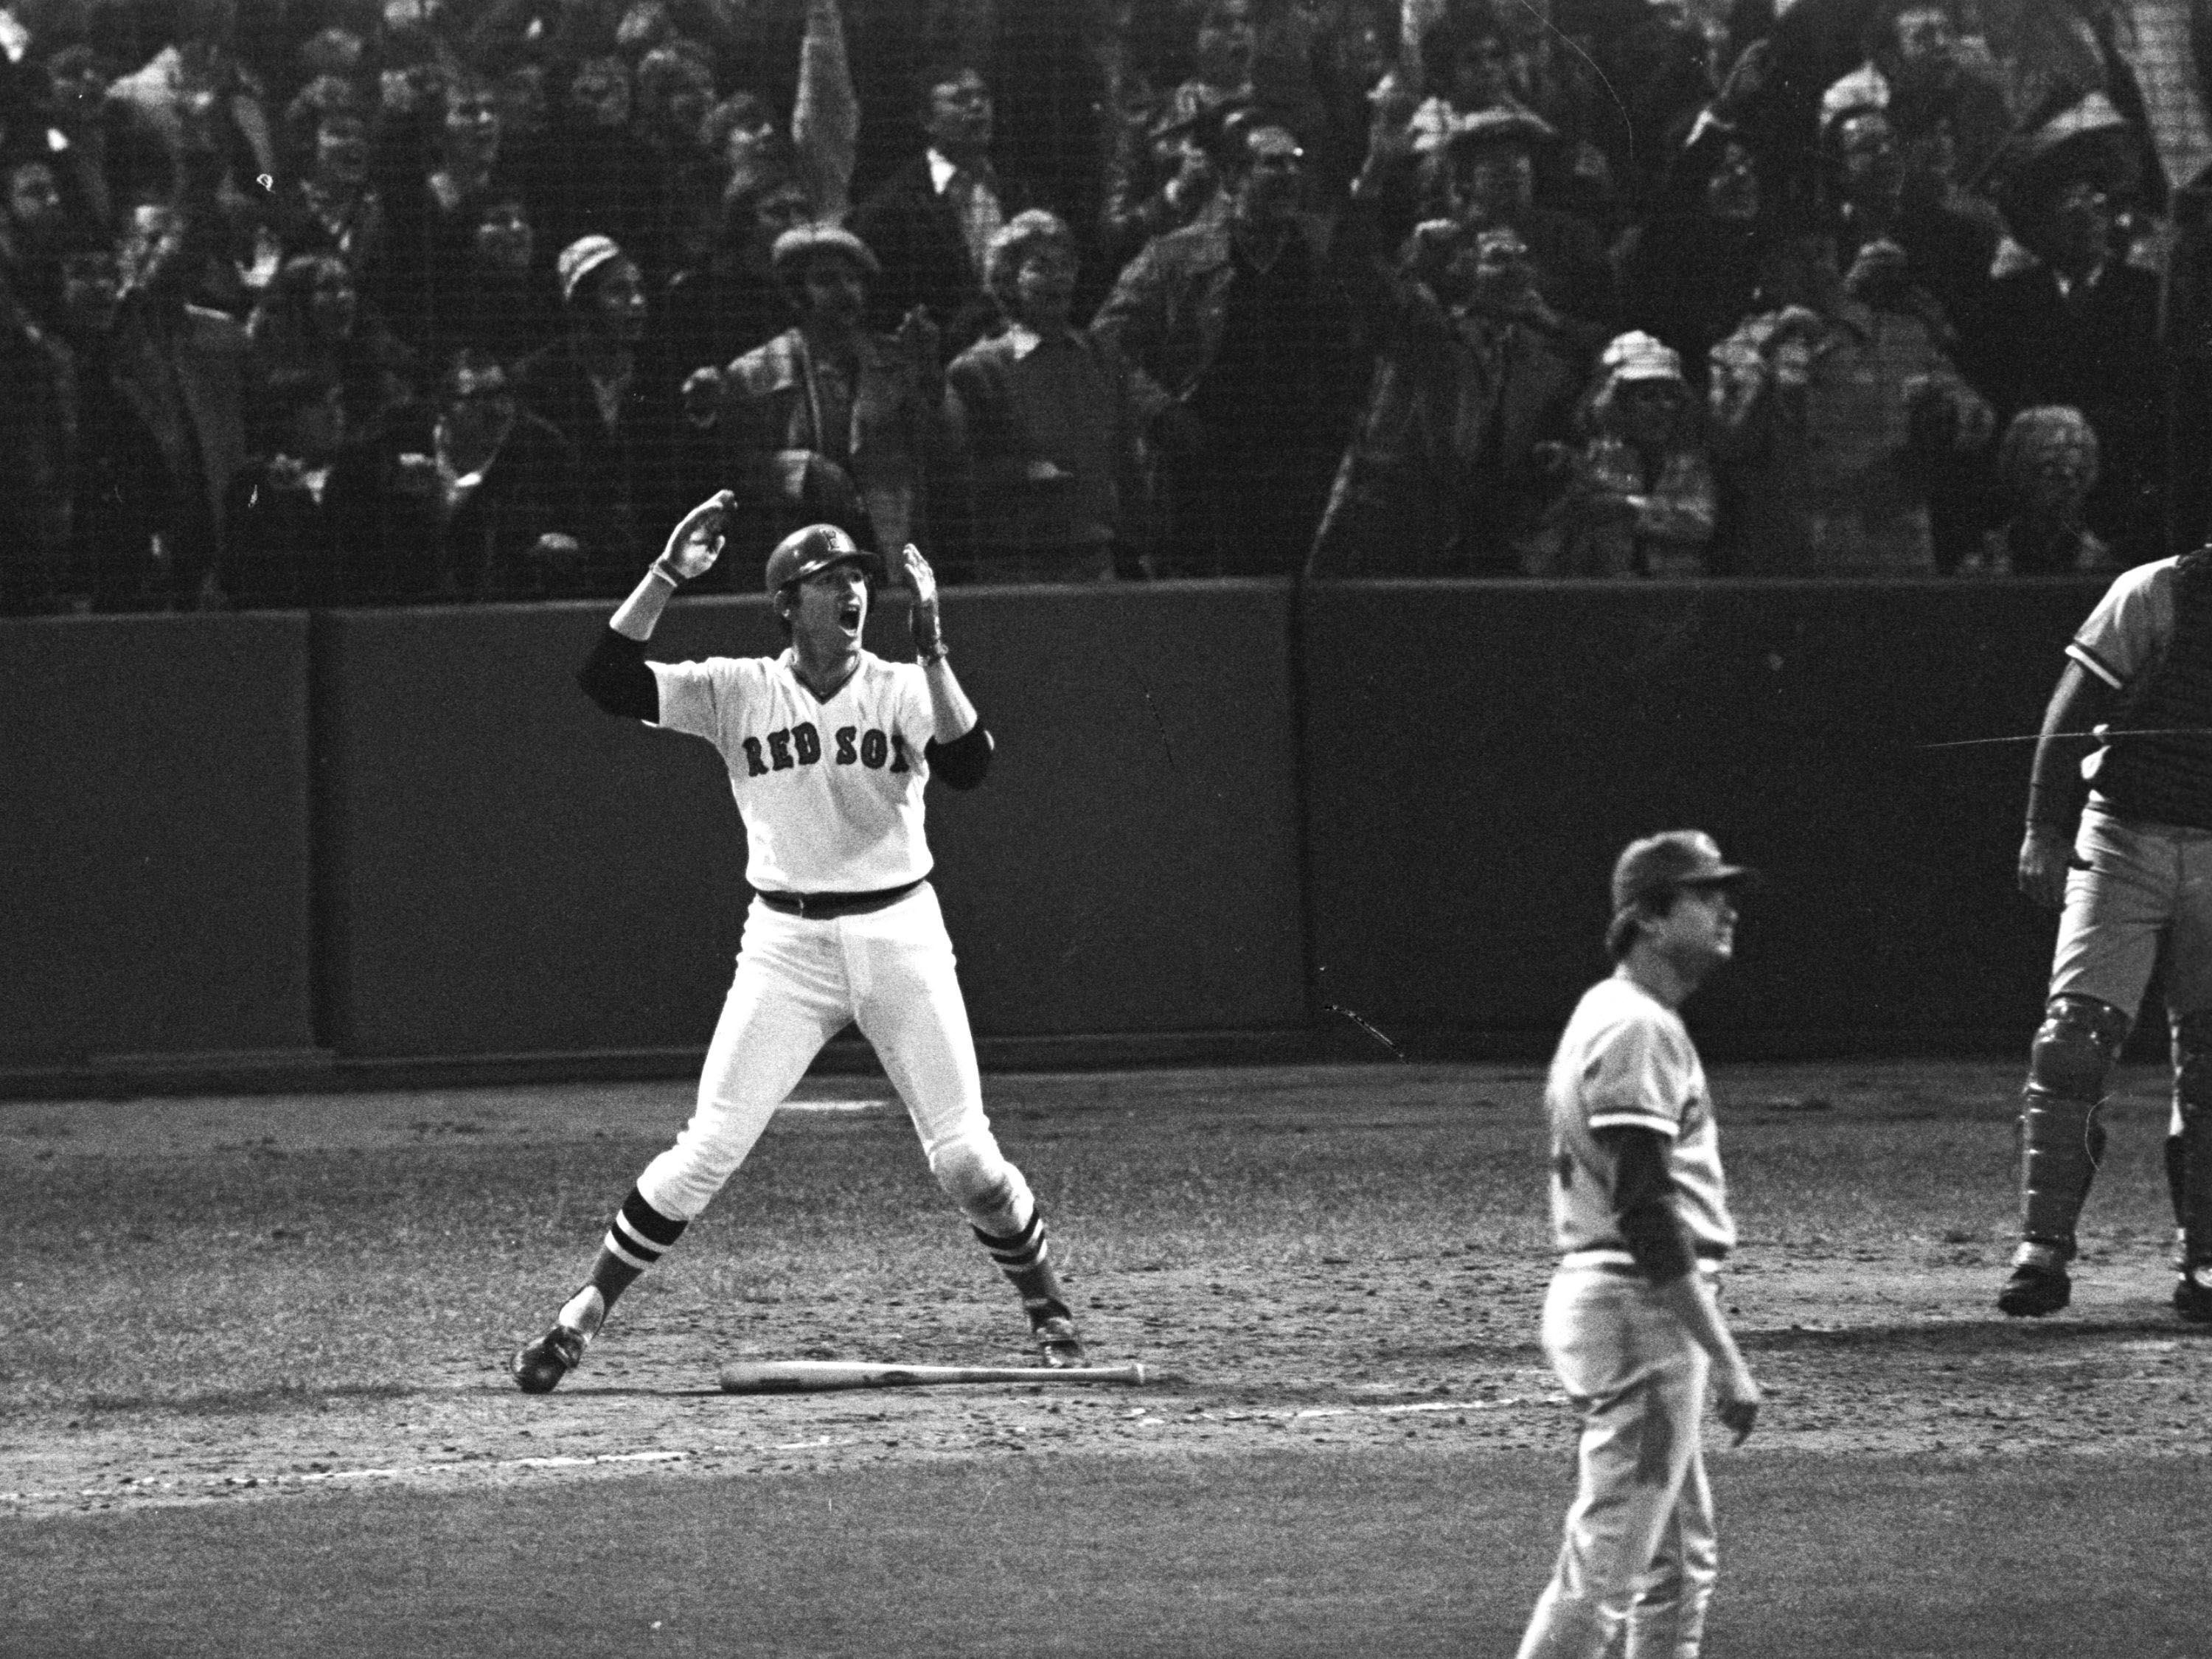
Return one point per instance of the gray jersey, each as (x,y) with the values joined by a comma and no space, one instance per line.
(1625,1061)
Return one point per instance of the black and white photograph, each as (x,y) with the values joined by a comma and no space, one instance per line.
(1105,828)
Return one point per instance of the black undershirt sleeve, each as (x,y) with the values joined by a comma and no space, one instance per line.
(962,762)
(615,676)
(1644,1203)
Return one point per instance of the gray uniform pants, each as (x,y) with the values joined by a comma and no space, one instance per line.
(1639,1556)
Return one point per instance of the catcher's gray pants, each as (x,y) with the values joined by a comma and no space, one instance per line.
(1640,1552)
(799,980)
(2131,885)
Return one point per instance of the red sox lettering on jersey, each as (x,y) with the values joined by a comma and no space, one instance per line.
(831,793)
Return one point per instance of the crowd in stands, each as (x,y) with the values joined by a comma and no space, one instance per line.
(313,302)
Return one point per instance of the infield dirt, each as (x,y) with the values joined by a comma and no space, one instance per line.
(251,1300)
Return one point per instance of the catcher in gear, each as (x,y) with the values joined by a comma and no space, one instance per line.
(828,748)
(2135,697)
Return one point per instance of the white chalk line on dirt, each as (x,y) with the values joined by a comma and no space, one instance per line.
(1142,1417)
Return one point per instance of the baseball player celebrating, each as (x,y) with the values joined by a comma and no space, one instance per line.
(1630,1322)
(2138,680)
(829,747)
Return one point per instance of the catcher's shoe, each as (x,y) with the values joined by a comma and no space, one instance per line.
(2192,1296)
(1053,1335)
(536,1366)
(2035,1290)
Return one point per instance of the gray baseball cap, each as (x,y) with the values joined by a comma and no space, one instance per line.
(1657,864)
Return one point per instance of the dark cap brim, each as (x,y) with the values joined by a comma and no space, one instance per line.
(1729,875)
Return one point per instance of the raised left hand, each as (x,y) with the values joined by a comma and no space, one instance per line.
(928,633)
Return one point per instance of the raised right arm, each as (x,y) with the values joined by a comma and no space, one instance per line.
(615,676)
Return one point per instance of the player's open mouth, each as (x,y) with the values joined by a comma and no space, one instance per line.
(848,615)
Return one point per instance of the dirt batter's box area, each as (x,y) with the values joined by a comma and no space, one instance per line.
(252,1395)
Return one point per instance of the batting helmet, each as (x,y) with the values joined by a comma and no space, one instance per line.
(818,547)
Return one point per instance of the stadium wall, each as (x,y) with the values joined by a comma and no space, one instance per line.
(155,840)
(1224,818)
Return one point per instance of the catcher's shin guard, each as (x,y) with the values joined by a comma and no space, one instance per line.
(2061,1142)
(2189,1164)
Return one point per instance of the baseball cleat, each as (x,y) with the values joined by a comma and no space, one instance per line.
(2033,1291)
(2192,1296)
(1057,1345)
(536,1366)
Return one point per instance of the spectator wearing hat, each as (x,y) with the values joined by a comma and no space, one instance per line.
(1443,475)
(930,224)
(728,301)
(1043,418)
(594,387)
(828,422)
(2092,315)
(1466,70)
(1242,331)
(1828,417)
(1639,498)
(2047,465)
(1940,93)
(1162,176)
(1484,175)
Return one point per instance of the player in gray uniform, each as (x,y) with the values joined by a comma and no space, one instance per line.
(2135,698)
(1632,1326)
(829,747)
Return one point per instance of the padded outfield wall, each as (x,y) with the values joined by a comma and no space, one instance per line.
(509,870)
(387,837)
(154,839)
(1477,754)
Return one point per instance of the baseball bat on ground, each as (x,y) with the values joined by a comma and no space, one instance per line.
(808,1376)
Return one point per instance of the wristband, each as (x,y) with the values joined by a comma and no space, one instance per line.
(927,658)
(660,568)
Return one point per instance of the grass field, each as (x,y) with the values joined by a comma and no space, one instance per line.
(251,1397)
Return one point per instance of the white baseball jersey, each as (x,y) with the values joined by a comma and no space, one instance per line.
(1625,1061)
(830,793)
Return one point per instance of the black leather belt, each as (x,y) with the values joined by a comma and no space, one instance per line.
(823,905)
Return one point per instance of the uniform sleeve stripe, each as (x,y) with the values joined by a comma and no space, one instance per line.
(2089,659)
(1665,1126)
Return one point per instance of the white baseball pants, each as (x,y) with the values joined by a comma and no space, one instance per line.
(799,981)
(1640,1557)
